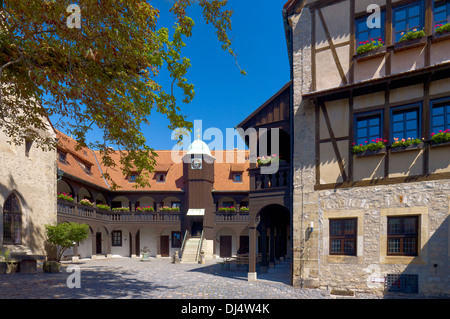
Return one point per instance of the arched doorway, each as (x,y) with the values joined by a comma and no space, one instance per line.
(274,240)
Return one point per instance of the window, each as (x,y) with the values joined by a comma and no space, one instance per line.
(62,157)
(176,239)
(116,236)
(402,236)
(408,18)
(132,178)
(28,144)
(441,13)
(343,236)
(405,283)
(237,177)
(368,127)
(406,122)
(86,167)
(160,177)
(440,116)
(12,221)
(364,33)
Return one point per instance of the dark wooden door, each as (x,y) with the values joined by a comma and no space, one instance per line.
(243,245)
(225,246)
(164,246)
(98,243)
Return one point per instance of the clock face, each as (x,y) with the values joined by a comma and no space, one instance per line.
(196,163)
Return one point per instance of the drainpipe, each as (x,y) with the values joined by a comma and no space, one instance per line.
(289,40)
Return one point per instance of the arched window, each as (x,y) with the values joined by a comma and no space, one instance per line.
(12,221)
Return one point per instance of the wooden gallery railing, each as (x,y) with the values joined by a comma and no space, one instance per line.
(279,179)
(88,212)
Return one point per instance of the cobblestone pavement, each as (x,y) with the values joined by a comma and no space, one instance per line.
(126,278)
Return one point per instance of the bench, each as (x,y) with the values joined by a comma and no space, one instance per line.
(25,264)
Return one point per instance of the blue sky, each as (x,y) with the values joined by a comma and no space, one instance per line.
(223,96)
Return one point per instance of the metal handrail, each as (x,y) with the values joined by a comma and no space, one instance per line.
(199,247)
(182,245)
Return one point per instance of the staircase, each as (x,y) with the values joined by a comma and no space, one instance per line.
(190,251)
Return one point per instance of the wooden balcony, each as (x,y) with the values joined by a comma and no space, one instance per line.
(227,217)
(268,189)
(82,212)
(276,181)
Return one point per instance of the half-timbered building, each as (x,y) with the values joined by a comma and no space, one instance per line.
(371,161)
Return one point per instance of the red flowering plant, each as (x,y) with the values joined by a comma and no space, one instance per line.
(441,137)
(65,196)
(366,46)
(442,28)
(374,145)
(145,209)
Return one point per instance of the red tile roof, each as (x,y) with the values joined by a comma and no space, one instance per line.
(223,171)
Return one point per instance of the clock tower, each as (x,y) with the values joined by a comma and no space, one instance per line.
(198,171)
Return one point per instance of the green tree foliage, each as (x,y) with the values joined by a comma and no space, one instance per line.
(104,74)
(64,236)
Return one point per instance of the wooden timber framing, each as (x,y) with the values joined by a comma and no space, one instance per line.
(272,113)
(332,47)
(348,176)
(352,49)
(313,52)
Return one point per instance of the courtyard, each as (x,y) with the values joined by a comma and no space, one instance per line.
(130,278)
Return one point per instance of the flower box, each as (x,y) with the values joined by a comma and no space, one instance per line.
(268,160)
(410,40)
(121,209)
(366,153)
(442,28)
(368,48)
(410,147)
(227,209)
(65,196)
(86,202)
(406,144)
(441,137)
(443,144)
(103,207)
(375,147)
(377,52)
(145,209)
(170,209)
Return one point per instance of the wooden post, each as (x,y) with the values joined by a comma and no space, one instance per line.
(252,254)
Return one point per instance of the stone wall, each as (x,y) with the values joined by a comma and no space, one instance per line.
(32,178)
(305,199)
(371,206)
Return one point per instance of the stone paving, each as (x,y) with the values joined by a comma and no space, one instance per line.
(126,278)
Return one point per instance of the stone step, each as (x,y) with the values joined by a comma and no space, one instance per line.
(190,251)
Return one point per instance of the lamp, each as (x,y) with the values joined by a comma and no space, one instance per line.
(60,174)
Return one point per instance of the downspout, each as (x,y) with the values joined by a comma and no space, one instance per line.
(289,40)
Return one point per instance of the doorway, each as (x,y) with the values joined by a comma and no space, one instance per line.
(196,228)
(225,246)
(98,243)
(164,246)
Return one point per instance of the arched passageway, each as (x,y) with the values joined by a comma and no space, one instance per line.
(274,240)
